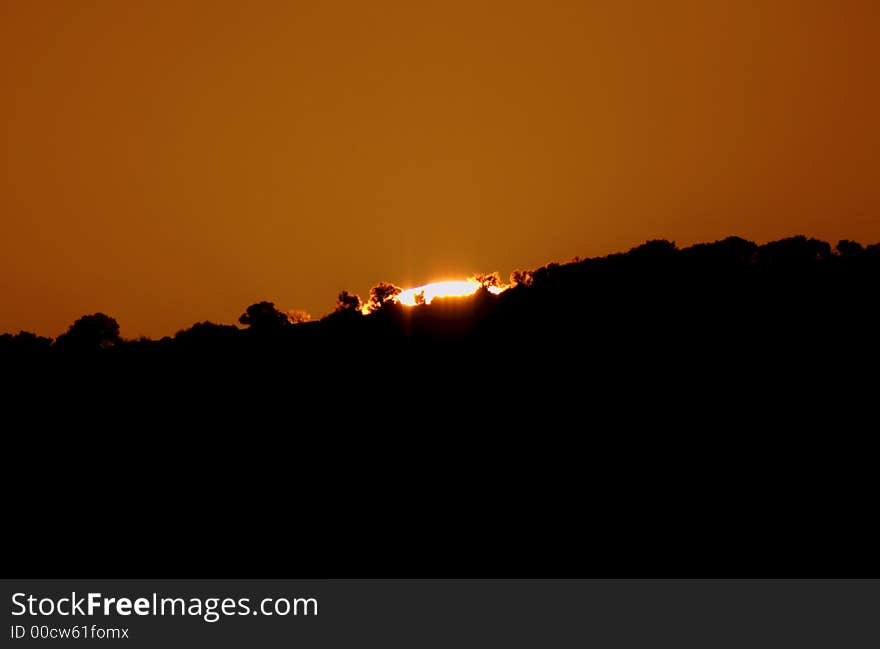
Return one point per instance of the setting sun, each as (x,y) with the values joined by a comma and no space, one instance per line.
(426,293)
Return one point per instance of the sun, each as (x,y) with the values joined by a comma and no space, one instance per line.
(454,288)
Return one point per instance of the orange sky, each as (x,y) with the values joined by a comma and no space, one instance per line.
(171,161)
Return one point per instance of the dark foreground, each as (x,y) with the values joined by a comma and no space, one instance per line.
(648,410)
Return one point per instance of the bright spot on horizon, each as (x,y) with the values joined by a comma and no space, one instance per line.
(460,288)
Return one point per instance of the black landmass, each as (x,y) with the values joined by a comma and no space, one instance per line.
(644,409)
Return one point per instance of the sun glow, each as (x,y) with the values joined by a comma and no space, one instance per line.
(426,293)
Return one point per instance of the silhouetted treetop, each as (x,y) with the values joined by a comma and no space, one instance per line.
(348,302)
(521,277)
(90,332)
(207,334)
(488,279)
(654,250)
(381,294)
(263,316)
(793,251)
(847,248)
(24,342)
(732,250)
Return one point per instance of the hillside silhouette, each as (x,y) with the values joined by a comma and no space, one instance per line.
(726,326)
(727,297)
(795,308)
(658,389)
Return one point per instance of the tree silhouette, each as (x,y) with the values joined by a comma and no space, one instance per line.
(24,342)
(207,334)
(732,250)
(521,277)
(488,280)
(263,316)
(381,294)
(348,302)
(90,332)
(653,251)
(847,248)
(793,251)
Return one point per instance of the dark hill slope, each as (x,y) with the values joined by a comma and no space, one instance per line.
(713,406)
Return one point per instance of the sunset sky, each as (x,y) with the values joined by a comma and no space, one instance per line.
(167,162)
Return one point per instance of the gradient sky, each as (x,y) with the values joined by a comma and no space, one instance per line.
(170,161)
